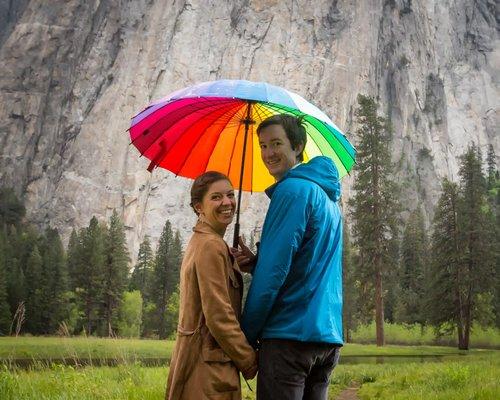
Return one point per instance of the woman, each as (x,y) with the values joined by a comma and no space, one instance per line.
(210,346)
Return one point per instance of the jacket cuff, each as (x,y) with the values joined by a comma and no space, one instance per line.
(249,365)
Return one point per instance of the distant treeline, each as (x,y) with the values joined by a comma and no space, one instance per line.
(87,288)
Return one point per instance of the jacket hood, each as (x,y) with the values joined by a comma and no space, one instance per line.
(320,170)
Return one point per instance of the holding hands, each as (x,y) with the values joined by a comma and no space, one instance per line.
(245,258)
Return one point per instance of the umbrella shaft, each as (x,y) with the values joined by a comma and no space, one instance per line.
(247,121)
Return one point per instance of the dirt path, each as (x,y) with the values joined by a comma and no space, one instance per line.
(351,393)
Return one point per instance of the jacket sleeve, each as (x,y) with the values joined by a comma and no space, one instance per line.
(283,231)
(221,319)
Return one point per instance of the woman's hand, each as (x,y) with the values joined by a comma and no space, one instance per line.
(244,257)
(252,371)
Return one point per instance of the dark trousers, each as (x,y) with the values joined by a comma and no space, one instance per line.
(292,370)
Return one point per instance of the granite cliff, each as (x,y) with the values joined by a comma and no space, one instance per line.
(73,72)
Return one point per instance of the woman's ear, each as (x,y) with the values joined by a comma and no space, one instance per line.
(198,208)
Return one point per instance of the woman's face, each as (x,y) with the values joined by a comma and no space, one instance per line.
(218,205)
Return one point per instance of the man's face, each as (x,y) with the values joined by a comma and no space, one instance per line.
(276,151)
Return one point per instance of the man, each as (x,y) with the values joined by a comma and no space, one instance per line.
(294,306)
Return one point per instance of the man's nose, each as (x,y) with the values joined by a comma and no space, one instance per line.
(267,152)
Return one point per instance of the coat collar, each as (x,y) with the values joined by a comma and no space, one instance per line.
(203,227)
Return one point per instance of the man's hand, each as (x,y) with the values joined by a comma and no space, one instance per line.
(244,257)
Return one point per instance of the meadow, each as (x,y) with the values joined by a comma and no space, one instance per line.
(474,378)
(407,372)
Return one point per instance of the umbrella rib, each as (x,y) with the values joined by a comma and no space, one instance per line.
(192,147)
(342,144)
(338,141)
(261,111)
(234,142)
(199,138)
(181,108)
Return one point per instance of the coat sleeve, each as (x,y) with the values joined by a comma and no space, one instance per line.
(221,319)
(283,231)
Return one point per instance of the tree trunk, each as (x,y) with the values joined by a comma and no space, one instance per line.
(108,318)
(466,327)
(347,334)
(379,308)
(88,313)
(161,316)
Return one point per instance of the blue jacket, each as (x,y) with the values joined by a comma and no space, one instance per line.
(296,290)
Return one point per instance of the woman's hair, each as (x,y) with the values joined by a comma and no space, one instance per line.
(201,185)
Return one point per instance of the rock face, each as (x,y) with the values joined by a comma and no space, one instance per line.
(73,72)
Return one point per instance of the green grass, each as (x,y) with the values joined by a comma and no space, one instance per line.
(472,378)
(414,335)
(47,348)
(469,379)
(83,347)
(65,383)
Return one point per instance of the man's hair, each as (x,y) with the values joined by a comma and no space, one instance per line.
(294,129)
(202,184)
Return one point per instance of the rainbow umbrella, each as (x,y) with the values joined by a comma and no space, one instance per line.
(212,126)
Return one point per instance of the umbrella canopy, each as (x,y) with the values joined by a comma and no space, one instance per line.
(212,125)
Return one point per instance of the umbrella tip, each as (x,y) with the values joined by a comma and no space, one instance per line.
(151,166)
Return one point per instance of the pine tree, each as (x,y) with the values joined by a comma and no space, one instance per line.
(5,316)
(444,292)
(172,313)
(349,290)
(165,274)
(414,262)
(175,260)
(391,275)
(496,243)
(142,278)
(478,254)
(73,259)
(463,253)
(493,184)
(16,291)
(374,206)
(115,274)
(34,293)
(90,275)
(143,269)
(53,283)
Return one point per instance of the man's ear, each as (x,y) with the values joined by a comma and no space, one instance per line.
(299,149)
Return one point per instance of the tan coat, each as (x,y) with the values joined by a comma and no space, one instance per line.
(210,346)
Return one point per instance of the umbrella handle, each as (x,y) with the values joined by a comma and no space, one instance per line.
(236,235)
